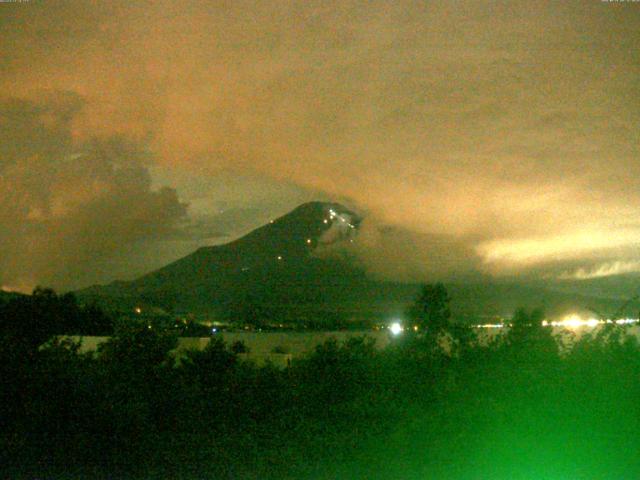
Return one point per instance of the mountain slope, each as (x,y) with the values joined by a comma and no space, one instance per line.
(282,247)
(274,267)
(275,273)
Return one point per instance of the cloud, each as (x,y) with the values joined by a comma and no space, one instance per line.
(603,270)
(501,127)
(69,206)
(568,247)
(393,253)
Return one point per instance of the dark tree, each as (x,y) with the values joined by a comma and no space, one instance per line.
(239,347)
(29,321)
(431,311)
(529,335)
(138,346)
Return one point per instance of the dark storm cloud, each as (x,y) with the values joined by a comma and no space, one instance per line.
(507,128)
(68,206)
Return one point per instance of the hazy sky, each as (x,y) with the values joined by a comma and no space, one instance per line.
(499,137)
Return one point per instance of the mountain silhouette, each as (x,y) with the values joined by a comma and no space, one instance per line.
(292,270)
(287,270)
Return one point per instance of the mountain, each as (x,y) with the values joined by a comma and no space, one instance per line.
(289,271)
(283,270)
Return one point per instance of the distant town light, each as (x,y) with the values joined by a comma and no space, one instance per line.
(138,310)
(279,257)
(626,321)
(395,328)
(308,240)
(572,321)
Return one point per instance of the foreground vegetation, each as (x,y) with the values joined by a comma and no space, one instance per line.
(434,405)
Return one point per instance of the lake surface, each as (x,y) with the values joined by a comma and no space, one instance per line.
(265,344)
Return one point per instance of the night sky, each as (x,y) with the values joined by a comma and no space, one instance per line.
(492,138)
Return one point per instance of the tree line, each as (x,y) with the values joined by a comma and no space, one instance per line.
(439,403)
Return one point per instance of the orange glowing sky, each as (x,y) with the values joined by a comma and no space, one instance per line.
(505,130)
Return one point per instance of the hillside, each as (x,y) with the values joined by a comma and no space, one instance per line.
(281,272)
(274,270)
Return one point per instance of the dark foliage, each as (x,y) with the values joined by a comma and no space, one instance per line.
(517,406)
(31,320)
(431,311)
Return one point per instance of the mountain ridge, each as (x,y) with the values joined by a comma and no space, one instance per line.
(274,264)
(275,271)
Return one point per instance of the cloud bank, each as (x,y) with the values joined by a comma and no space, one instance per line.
(504,130)
(69,208)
